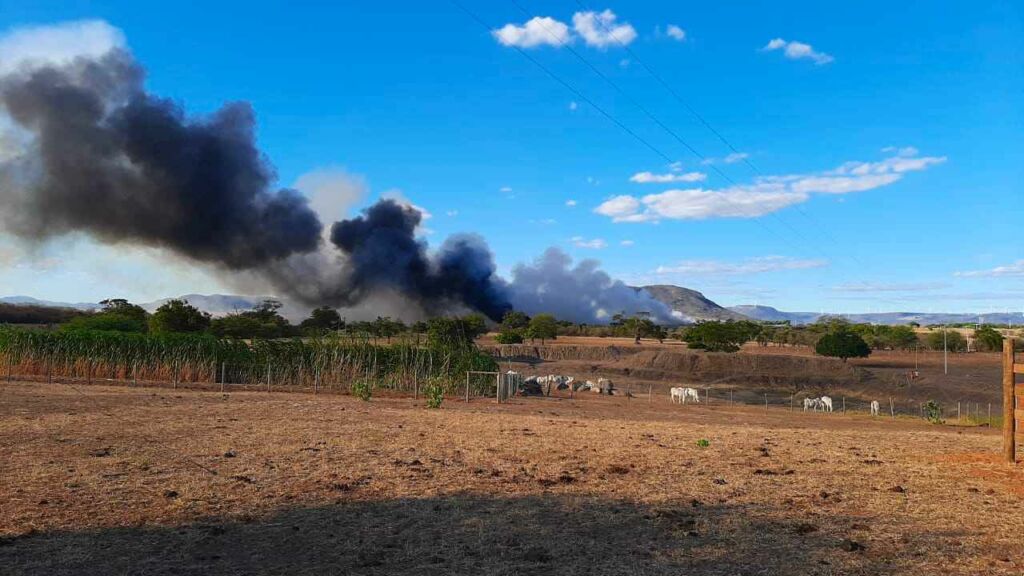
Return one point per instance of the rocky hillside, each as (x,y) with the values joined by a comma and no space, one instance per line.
(690,303)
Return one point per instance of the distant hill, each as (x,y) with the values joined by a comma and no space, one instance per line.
(690,303)
(215,304)
(30,301)
(769,314)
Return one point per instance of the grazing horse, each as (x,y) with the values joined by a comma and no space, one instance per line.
(874,407)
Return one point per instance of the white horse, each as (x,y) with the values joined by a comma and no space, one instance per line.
(874,407)
(811,404)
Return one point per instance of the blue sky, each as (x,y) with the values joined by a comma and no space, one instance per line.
(882,162)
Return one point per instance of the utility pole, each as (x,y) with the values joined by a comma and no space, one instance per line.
(945,351)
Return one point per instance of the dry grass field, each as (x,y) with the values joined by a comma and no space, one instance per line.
(115,480)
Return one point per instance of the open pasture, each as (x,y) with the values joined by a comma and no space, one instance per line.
(116,480)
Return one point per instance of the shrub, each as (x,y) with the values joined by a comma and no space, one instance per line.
(362,389)
(703,443)
(509,337)
(933,412)
(434,392)
(842,344)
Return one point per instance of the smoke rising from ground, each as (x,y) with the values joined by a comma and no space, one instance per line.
(580,293)
(86,150)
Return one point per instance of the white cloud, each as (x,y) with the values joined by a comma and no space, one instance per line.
(599,29)
(594,244)
(574,105)
(796,50)
(764,195)
(505,189)
(759,265)
(729,159)
(538,31)
(570,203)
(620,208)
(627,243)
(57,44)
(452,213)
(652,178)
(675,32)
(698,204)
(1010,270)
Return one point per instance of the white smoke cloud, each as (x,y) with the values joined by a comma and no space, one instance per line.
(580,293)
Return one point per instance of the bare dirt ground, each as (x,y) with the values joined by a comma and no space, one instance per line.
(114,480)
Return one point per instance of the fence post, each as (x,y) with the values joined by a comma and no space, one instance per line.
(135,374)
(10,366)
(316,379)
(1009,403)
(649,392)
(49,377)
(958,412)
(844,404)
(730,397)
(892,409)
(766,402)
(223,375)
(989,415)
(88,371)
(467,386)
(268,376)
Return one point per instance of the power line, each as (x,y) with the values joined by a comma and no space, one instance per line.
(724,197)
(675,94)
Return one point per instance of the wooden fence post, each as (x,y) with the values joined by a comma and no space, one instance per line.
(892,408)
(268,376)
(1009,403)
(766,402)
(649,393)
(467,386)
(844,404)
(223,375)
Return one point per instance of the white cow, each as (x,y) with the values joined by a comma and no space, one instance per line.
(826,403)
(874,407)
(676,394)
(689,393)
(811,404)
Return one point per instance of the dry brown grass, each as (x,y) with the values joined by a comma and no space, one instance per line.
(141,481)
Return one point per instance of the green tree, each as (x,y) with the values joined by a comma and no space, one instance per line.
(953,341)
(515,320)
(236,326)
(988,338)
(543,327)
(448,332)
(842,343)
(509,336)
(719,336)
(117,315)
(178,316)
(322,320)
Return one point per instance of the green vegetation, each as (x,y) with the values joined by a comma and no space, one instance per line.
(703,443)
(948,339)
(542,327)
(933,412)
(720,336)
(329,361)
(117,315)
(842,343)
(176,316)
(988,339)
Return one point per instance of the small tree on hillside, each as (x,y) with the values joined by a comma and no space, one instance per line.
(842,343)
(949,339)
(543,327)
(323,319)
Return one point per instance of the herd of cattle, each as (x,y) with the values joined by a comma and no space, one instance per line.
(543,385)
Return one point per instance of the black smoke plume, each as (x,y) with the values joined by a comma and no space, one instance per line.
(108,159)
(383,253)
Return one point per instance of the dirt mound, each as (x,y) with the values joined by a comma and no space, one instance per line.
(701,366)
(526,353)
